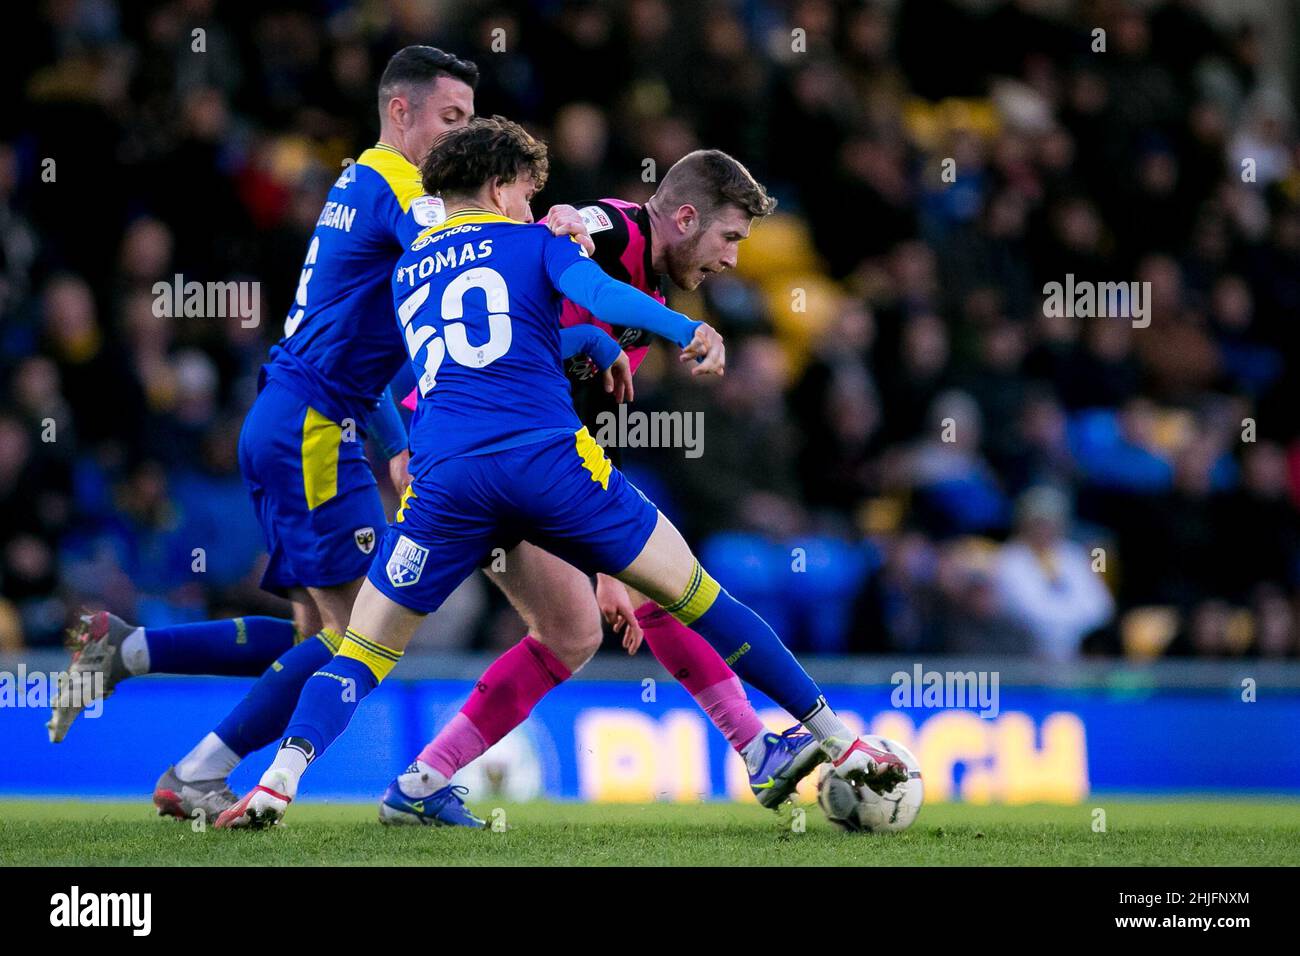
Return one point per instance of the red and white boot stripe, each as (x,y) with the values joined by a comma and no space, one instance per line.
(876,756)
(230,818)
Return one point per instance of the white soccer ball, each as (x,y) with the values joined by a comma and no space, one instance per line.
(862,809)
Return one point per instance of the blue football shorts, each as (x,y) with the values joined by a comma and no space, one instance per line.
(559,494)
(314,493)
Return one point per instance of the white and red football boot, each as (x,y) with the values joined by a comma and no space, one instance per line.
(261,807)
(864,766)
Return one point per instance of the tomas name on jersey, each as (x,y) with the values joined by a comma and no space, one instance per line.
(453,256)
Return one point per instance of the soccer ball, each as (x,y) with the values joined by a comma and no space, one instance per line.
(859,809)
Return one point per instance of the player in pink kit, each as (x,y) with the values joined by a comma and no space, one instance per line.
(690,229)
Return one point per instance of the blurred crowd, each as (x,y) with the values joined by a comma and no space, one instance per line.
(909,453)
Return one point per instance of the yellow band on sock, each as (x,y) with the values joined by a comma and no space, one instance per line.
(331,639)
(698,597)
(378,658)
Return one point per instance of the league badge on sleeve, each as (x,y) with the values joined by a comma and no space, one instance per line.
(428,210)
(595,219)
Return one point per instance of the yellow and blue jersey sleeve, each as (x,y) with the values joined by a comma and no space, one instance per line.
(410,211)
(401,177)
(342,346)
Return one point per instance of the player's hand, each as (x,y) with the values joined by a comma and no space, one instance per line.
(566,221)
(399,470)
(618,379)
(707,351)
(616,606)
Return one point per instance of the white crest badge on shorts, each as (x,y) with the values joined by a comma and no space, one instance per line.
(365,538)
(407,563)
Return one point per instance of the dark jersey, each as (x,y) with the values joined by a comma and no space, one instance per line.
(621,232)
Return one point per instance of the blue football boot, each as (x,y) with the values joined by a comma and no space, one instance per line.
(790,757)
(442,808)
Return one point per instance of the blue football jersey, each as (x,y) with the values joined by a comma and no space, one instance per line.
(478,308)
(340,349)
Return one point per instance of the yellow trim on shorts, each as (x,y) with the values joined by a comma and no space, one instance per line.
(379,659)
(593,457)
(407,495)
(320,458)
(698,597)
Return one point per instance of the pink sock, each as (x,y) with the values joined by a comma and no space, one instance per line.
(502,699)
(702,671)
(456,746)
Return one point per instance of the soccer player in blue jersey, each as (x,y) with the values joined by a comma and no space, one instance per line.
(706,205)
(323,390)
(422,88)
(498,452)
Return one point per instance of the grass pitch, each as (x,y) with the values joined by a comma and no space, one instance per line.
(1170,833)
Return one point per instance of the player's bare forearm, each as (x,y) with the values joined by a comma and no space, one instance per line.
(399,470)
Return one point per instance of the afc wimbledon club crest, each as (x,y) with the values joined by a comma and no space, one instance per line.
(407,563)
(365,539)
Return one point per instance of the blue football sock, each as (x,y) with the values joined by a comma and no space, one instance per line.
(262,715)
(240,647)
(746,642)
(331,695)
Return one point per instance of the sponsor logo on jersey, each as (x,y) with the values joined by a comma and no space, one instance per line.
(365,538)
(407,563)
(425,239)
(580,368)
(633,338)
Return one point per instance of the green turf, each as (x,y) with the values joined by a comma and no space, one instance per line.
(1251,833)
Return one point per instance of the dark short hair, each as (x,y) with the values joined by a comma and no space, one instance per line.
(417,65)
(491,147)
(709,179)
